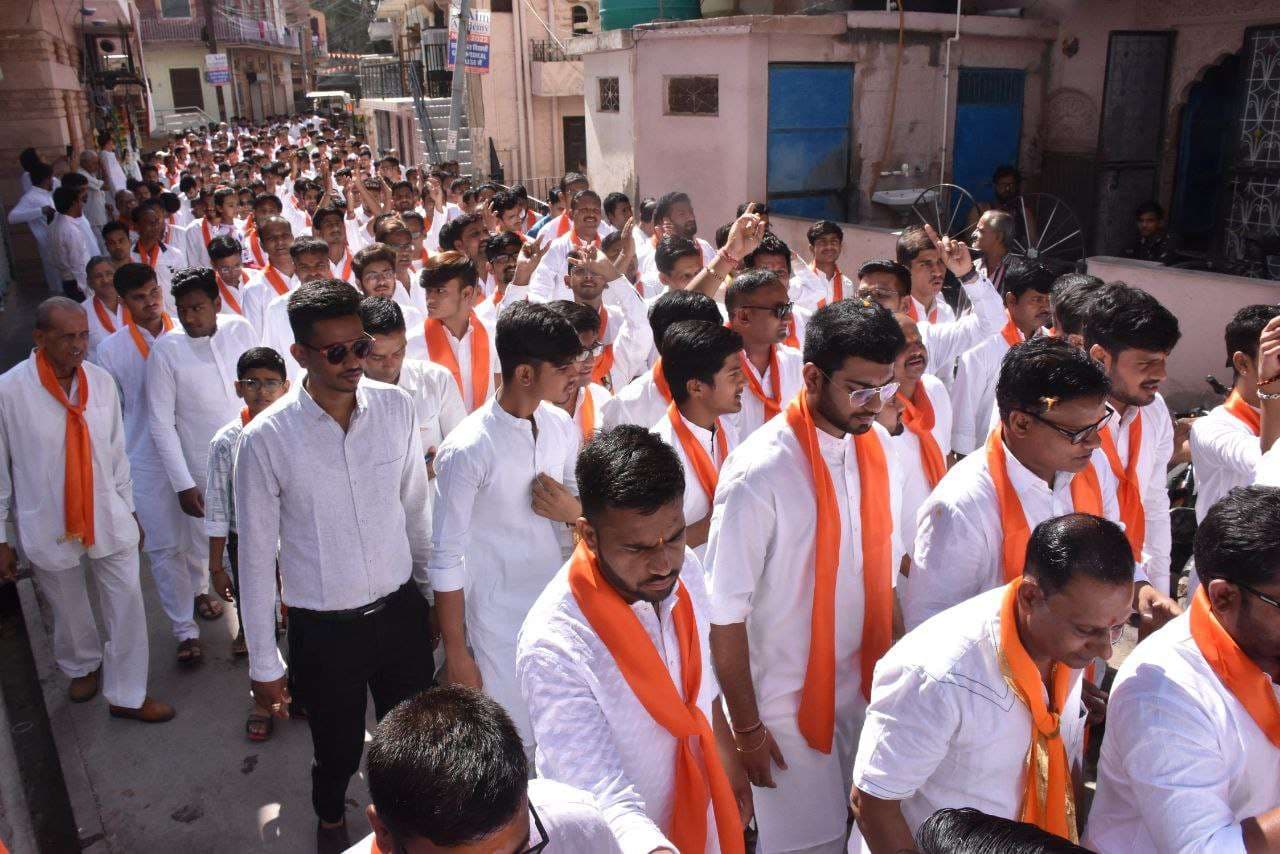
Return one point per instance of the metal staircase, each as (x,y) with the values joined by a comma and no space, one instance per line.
(433,124)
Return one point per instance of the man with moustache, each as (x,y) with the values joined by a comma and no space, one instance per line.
(672,216)
(758,311)
(549,279)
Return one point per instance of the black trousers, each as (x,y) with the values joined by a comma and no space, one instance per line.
(334,664)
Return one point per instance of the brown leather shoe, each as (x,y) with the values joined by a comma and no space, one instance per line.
(151,711)
(85,688)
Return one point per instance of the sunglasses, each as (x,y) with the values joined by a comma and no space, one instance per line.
(860,397)
(1264,597)
(1076,437)
(781,311)
(336,354)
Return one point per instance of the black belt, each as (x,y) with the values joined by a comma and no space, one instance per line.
(350,614)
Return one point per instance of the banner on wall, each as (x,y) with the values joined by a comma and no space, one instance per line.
(217,72)
(477,58)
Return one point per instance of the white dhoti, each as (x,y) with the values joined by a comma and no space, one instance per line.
(77,645)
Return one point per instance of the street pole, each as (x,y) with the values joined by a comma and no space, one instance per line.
(458,90)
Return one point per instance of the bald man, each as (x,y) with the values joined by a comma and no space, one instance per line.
(64,478)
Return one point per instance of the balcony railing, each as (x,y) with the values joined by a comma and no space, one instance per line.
(227,29)
(382,79)
(173,30)
(545,50)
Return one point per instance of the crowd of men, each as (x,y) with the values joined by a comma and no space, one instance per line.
(720,546)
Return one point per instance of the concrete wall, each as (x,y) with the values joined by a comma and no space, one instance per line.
(861,242)
(161,56)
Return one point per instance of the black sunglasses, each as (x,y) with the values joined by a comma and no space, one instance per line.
(781,311)
(1264,597)
(336,354)
(1076,437)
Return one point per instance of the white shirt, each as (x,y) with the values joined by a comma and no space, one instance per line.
(416,348)
(119,354)
(278,334)
(341,266)
(171,260)
(647,267)
(30,210)
(751,417)
(548,283)
(116,179)
(627,332)
(810,286)
(573,822)
(488,311)
(71,253)
(1183,763)
(486,537)
(944,728)
(191,394)
(435,398)
(197,248)
(592,731)
(946,314)
(959,538)
(973,394)
(95,206)
(97,332)
(33,457)
(946,342)
(697,504)
(1153,461)
(639,402)
(1225,453)
(354,505)
(915,484)
(258,293)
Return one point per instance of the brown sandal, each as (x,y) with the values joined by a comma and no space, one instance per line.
(208,607)
(190,653)
(259,727)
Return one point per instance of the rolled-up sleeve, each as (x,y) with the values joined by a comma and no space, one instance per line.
(906,735)
(456,483)
(738,546)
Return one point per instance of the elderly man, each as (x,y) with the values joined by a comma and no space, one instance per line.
(993,236)
(95,203)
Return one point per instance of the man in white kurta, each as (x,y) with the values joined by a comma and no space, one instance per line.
(191,379)
(759,310)
(489,536)
(276,278)
(624,333)
(35,210)
(151,249)
(33,463)
(1190,761)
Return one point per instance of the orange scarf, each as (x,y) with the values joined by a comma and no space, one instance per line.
(699,781)
(345,275)
(1251,418)
(917,416)
(78,474)
(255,248)
(837,282)
(1010,332)
(276,280)
(1247,682)
(604,364)
(791,340)
(586,414)
(141,343)
(105,317)
(1086,497)
(816,715)
(1129,492)
(914,313)
(228,297)
(772,404)
(245,417)
(151,256)
(563,224)
(578,242)
(660,380)
(1048,801)
(439,351)
(705,469)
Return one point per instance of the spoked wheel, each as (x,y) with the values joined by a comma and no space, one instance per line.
(1048,232)
(946,207)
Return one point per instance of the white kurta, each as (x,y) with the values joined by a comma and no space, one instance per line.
(97,332)
(647,267)
(946,342)
(486,538)
(1153,462)
(435,398)
(760,571)
(959,539)
(809,287)
(30,211)
(197,248)
(591,730)
(639,402)
(1183,763)
(751,417)
(278,334)
(416,348)
(915,485)
(697,504)
(258,293)
(1225,453)
(71,250)
(944,729)
(973,394)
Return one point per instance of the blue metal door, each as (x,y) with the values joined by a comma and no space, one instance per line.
(810,141)
(988,127)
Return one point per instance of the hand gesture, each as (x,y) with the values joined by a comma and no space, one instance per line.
(954,253)
(530,257)
(745,235)
(596,262)
(436,191)
(490,216)
(552,500)
(1269,351)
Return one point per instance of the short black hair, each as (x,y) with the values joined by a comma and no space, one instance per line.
(1022,275)
(323,299)
(822,228)
(451,231)
(260,357)
(1239,539)
(40,172)
(505,200)
(572,178)
(761,209)
(1078,544)
(325,211)
(770,244)
(1006,170)
(447,766)
(76,181)
(1149,207)
(445,267)
(190,280)
(308,245)
(369,254)
(65,198)
(1245,328)
(224,246)
(747,283)
(911,242)
(1041,370)
(851,328)
(1123,318)
(648,206)
(630,468)
(583,194)
(529,333)
(1070,299)
(667,201)
(131,276)
(612,201)
(381,316)
(900,274)
(502,243)
(965,830)
(112,226)
(696,350)
(674,306)
(671,249)
(583,317)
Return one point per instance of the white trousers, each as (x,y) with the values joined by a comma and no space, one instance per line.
(497,664)
(77,646)
(179,579)
(808,811)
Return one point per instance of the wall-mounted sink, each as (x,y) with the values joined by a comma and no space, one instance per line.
(902,200)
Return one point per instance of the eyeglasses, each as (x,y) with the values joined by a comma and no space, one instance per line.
(1076,437)
(257,385)
(781,311)
(543,839)
(590,352)
(379,275)
(336,354)
(1264,597)
(860,397)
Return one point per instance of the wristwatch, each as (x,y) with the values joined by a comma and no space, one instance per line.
(969,277)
